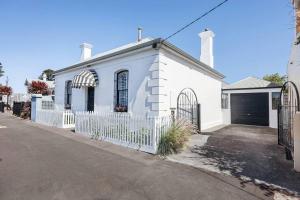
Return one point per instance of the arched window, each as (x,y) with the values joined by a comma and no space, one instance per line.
(68,94)
(121,91)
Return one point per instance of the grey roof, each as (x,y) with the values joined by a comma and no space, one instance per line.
(251,83)
(147,42)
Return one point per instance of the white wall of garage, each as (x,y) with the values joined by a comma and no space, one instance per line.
(226,113)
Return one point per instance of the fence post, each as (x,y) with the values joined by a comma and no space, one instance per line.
(297,142)
(199,117)
(36,104)
(154,139)
(63,119)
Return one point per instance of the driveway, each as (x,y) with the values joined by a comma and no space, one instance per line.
(248,153)
(38,162)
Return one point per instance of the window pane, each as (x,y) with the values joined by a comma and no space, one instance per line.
(224,101)
(275,100)
(122,81)
(121,97)
(68,94)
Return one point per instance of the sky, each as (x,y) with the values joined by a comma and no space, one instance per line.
(253,38)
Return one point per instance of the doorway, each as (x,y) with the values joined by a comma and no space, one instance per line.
(90,98)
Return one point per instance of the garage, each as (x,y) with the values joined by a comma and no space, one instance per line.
(251,101)
(250,108)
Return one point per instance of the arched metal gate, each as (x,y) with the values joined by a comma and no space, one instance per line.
(289,105)
(188,107)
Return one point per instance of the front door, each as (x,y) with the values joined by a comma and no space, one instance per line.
(90,98)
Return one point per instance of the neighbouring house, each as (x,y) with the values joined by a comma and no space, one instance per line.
(50,85)
(251,101)
(149,77)
(294,61)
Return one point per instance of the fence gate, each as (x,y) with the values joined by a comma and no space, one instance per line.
(188,107)
(289,105)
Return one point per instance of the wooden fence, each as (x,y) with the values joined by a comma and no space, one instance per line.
(60,119)
(123,129)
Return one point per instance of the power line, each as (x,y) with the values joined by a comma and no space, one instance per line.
(202,16)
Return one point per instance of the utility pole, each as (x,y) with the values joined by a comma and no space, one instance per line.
(7,95)
(7,80)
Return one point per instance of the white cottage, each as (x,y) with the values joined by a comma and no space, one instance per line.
(148,77)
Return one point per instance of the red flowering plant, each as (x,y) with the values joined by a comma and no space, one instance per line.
(38,87)
(5,90)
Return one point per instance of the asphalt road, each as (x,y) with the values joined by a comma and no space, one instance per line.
(47,163)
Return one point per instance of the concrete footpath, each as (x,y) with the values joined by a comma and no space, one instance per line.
(38,162)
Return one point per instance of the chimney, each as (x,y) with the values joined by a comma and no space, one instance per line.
(139,34)
(207,47)
(44,77)
(86,51)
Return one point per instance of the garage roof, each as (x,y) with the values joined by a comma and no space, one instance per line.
(251,83)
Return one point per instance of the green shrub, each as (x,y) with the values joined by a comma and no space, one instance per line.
(175,138)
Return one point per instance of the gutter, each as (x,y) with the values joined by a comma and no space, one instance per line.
(123,51)
(226,89)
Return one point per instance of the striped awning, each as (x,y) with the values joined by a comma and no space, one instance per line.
(87,78)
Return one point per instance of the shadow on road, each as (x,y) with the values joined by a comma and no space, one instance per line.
(251,154)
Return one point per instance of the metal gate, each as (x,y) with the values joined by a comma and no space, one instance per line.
(288,106)
(188,107)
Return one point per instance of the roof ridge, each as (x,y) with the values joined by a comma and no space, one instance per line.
(155,43)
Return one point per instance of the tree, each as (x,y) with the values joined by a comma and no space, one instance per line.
(275,78)
(38,87)
(49,73)
(5,90)
(1,70)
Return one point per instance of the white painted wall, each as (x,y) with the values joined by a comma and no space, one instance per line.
(181,74)
(294,65)
(226,113)
(156,77)
(138,65)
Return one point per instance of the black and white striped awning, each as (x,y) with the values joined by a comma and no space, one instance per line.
(87,78)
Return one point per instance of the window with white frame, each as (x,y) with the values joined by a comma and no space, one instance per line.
(275,100)
(121,91)
(224,102)
(68,94)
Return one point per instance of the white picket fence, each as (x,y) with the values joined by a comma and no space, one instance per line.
(123,129)
(56,118)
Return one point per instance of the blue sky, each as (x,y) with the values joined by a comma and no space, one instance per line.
(253,38)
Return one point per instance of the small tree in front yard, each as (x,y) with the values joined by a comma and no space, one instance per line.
(176,137)
(6,90)
(38,87)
